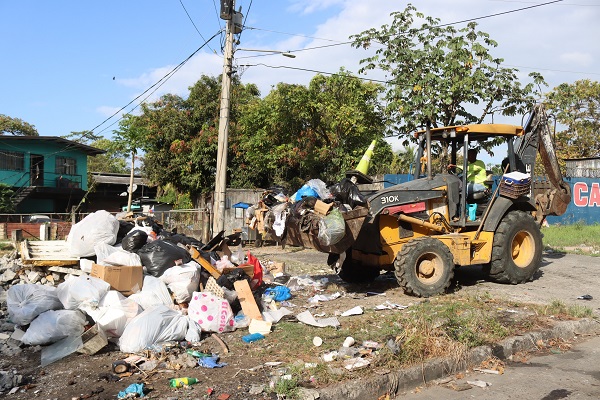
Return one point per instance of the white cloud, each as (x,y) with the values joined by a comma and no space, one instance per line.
(577,59)
(107,111)
(311,6)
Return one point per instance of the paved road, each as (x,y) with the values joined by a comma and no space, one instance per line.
(574,374)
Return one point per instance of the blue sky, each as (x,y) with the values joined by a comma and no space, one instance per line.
(60,57)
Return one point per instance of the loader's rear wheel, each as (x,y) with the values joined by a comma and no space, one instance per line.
(517,249)
(354,272)
(424,267)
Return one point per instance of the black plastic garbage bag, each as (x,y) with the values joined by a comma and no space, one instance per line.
(158,256)
(134,240)
(124,228)
(348,193)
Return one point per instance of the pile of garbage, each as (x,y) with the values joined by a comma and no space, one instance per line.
(315,216)
(141,287)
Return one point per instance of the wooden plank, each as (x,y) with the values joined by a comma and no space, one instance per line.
(247,301)
(204,263)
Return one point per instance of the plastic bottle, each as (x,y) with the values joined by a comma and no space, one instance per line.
(253,337)
(197,353)
(180,382)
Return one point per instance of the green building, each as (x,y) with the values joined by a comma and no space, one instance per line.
(47,173)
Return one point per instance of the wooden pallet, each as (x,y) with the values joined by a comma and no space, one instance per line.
(47,253)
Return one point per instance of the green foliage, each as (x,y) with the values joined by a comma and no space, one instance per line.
(438,74)
(113,161)
(297,133)
(6,204)
(179,136)
(16,126)
(577,107)
(168,194)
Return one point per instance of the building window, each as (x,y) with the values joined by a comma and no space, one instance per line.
(12,160)
(66,166)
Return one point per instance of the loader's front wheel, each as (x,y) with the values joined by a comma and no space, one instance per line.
(424,267)
(517,249)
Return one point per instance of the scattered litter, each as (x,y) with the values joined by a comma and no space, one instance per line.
(322,297)
(487,371)
(262,327)
(356,363)
(275,316)
(211,362)
(278,293)
(349,342)
(307,318)
(273,363)
(390,306)
(133,390)
(317,341)
(585,297)
(353,311)
(370,344)
(328,357)
(253,337)
(479,383)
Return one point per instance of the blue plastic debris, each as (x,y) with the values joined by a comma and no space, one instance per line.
(133,390)
(279,293)
(210,362)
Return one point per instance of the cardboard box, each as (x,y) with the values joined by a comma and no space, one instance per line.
(93,340)
(125,279)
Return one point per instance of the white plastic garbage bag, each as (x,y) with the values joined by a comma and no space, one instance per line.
(160,324)
(82,291)
(113,255)
(98,227)
(211,312)
(182,280)
(113,313)
(25,302)
(54,325)
(154,293)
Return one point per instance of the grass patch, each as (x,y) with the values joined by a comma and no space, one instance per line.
(444,326)
(561,237)
(560,310)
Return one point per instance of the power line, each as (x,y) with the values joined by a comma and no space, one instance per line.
(192,21)
(501,13)
(531,2)
(164,78)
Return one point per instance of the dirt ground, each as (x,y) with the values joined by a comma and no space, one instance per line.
(562,277)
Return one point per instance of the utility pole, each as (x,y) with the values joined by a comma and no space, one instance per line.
(221,175)
(129,199)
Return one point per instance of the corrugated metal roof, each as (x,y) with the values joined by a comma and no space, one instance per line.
(89,150)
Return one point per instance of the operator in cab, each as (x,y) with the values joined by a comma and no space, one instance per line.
(476,173)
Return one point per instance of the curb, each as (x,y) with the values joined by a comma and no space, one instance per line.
(392,383)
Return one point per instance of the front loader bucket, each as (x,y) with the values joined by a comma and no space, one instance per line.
(307,236)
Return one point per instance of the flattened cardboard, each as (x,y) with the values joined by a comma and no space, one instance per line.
(126,279)
(249,306)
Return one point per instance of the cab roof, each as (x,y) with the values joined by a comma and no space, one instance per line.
(477,132)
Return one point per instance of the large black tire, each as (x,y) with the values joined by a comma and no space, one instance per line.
(424,267)
(354,272)
(516,250)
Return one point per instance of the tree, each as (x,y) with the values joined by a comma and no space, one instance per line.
(179,136)
(113,161)
(441,74)
(403,160)
(297,133)
(16,126)
(6,203)
(576,107)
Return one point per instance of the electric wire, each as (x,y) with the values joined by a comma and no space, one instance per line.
(192,21)
(164,78)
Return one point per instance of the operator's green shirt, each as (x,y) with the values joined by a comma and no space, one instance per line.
(476,172)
